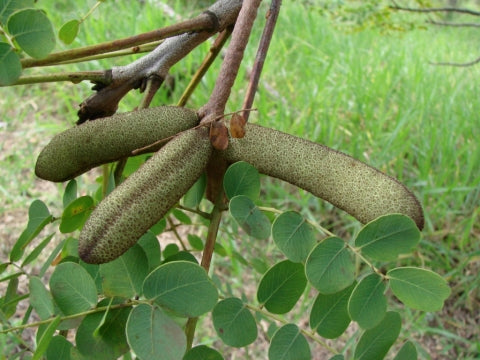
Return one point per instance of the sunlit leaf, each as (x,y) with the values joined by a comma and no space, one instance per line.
(388,236)
(76,213)
(68,32)
(38,218)
(33,32)
(419,289)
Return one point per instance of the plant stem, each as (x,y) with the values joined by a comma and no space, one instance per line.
(197,211)
(207,62)
(190,331)
(311,335)
(68,317)
(74,77)
(90,12)
(173,228)
(200,23)
(233,59)
(216,217)
(272,17)
(129,51)
(7,37)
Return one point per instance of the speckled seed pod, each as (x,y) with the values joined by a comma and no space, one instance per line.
(144,197)
(105,140)
(357,188)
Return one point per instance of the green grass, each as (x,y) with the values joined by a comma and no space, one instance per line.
(370,94)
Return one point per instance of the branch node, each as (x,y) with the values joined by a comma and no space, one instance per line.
(214,20)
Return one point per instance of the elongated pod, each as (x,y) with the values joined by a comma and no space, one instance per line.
(144,197)
(105,140)
(349,184)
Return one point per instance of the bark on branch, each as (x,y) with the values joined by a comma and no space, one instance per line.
(157,63)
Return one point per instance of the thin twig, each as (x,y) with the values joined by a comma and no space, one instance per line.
(173,228)
(233,58)
(153,83)
(476,61)
(272,17)
(74,77)
(205,65)
(199,212)
(202,22)
(129,51)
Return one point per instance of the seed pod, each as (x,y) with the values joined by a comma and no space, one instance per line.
(349,184)
(105,140)
(144,197)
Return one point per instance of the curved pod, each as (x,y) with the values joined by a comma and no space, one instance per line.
(349,184)
(83,147)
(144,197)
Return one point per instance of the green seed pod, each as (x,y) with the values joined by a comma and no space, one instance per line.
(144,197)
(105,140)
(359,189)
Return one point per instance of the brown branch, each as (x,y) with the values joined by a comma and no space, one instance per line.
(476,61)
(233,58)
(446,23)
(158,62)
(203,22)
(272,17)
(430,10)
